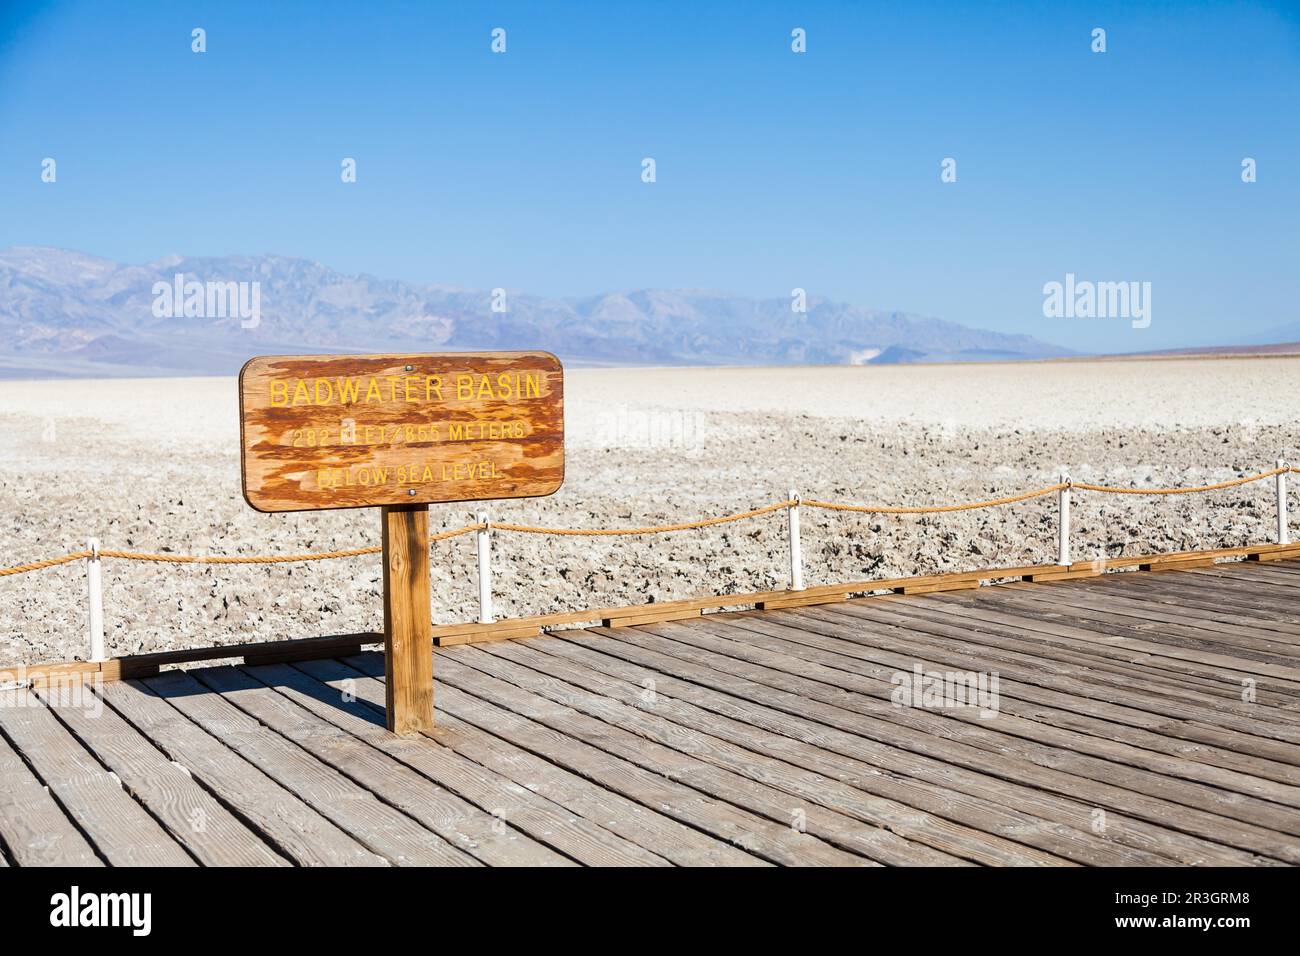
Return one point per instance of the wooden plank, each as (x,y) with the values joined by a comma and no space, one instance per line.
(32,824)
(800,743)
(287,822)
(1275,555)
(800,599)
(18,676)
(1274,579)
(1058,689)
(450,634)
(506,801)
(274,654)
(1245,667)
(507,717)
(941,586)
(1248,552)
(569,740)
(502,633)
(1214,598)
(1043,577)
(373,822)
(650,616)
(1170,564)
(188,812)
(778,681)
(1149,654)
(912,836)
(1132,613)
(1019,813)
(1183,739)
(456,820)
(408,642)
(93,798)
(347,431)
(1085,662)
(1254,655)
(1040,618)
(680,844)
(716,602)
(878,652)
(148,665)
(1066,772)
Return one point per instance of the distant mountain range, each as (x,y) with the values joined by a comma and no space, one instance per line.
(68,314)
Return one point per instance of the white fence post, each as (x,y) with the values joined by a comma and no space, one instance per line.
(485,570)
(796,549)
(95,600)
(1283,532)
(1063,505)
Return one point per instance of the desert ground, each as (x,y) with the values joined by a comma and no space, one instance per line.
(153,465)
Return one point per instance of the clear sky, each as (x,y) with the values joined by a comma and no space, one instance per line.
(774,170)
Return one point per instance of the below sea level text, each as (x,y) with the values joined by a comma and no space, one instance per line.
(368,476)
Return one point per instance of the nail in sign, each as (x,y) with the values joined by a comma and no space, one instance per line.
(351,431)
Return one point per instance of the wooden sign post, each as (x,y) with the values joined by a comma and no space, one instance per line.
(408,630)
(400,432)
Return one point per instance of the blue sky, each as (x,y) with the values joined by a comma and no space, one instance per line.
(774,170)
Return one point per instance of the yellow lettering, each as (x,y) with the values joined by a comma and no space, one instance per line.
(348,389)
(532,385)
(300,394)
(432,386)
(279,393)
(329,391)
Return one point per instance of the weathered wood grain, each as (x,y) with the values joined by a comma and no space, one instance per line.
(719,716)
(647,773)
(680,844)
(846,840)
(1040,754)
(32,824)
(347,431)
(91,796)
(408,641)
(711,740)
(190,814)
(373,822)
(856,734)
(295,828)
(499,796)
(457,821)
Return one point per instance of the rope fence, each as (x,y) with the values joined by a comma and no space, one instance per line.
(792,505)
(792,502)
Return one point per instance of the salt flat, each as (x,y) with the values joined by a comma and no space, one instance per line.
(153,465)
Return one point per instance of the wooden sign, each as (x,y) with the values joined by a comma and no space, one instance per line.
(348,431)
(401,431)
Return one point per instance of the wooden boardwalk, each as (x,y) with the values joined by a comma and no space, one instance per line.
(1141,719)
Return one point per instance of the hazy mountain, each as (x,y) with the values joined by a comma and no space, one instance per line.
(66,313)
(1288,332)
